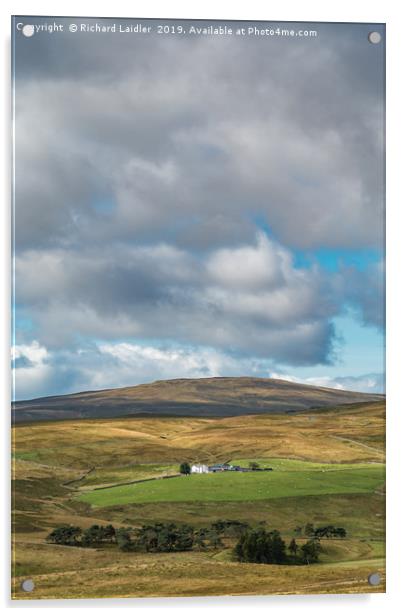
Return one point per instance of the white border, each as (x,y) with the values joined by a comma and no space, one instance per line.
(295,10)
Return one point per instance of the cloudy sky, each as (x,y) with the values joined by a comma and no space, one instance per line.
(197,205)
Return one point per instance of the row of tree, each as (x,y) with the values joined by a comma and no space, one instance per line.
(161,537)
(256,545)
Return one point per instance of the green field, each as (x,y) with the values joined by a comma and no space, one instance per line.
(235,486)
(291,464)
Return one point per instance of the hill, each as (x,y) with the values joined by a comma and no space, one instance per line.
(206,397)
(327,469)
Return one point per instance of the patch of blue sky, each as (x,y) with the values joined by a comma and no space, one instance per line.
(329,259)
(261,222)
(22,321)
(333,259)
(364,347)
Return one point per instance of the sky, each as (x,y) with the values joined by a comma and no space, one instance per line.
(197,205)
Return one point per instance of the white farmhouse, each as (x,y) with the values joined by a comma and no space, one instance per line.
(199,468)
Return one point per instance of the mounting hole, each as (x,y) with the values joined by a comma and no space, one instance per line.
(374,579)
(28,585)
(28,30)
(374,37)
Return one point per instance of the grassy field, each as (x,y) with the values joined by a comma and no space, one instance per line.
(336,436)
(234,486)
(327,469)
(78,573)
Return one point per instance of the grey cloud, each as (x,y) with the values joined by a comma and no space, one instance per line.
(145,168)
(193,133)
(366,292)
(267,307)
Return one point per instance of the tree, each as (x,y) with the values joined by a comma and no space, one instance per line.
(214,540)
(298,530)
(199,538)
(184,538)
(260,546)
(123,540)
(110,533)
(311,551)
(73,535)
(147,537)
(220,525)
(91,536)
(232,528)
(94,535)
(293,547)
(164,538)
(65,535)
(185,468)
(329,531)
(309,529)
(254,466)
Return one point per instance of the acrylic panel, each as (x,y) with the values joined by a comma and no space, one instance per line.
(198,308)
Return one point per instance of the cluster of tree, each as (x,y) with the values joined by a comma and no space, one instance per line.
(173,537)
(307,553)
(322,531)
(257,545)
(91,537)
(65,535)
(96,535)
(156,538)
(230,528)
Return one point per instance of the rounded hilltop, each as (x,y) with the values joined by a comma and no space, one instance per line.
(203,397)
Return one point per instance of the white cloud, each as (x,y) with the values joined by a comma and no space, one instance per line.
(31,370)
(251,299)
(149,363)
(110,365)
(42,372)
(34,352)
(250,267)
(320,381)
(369,383)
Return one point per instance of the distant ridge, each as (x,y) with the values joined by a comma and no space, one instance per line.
(205,397)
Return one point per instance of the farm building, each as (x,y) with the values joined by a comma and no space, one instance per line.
(199,468)
(217,468)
